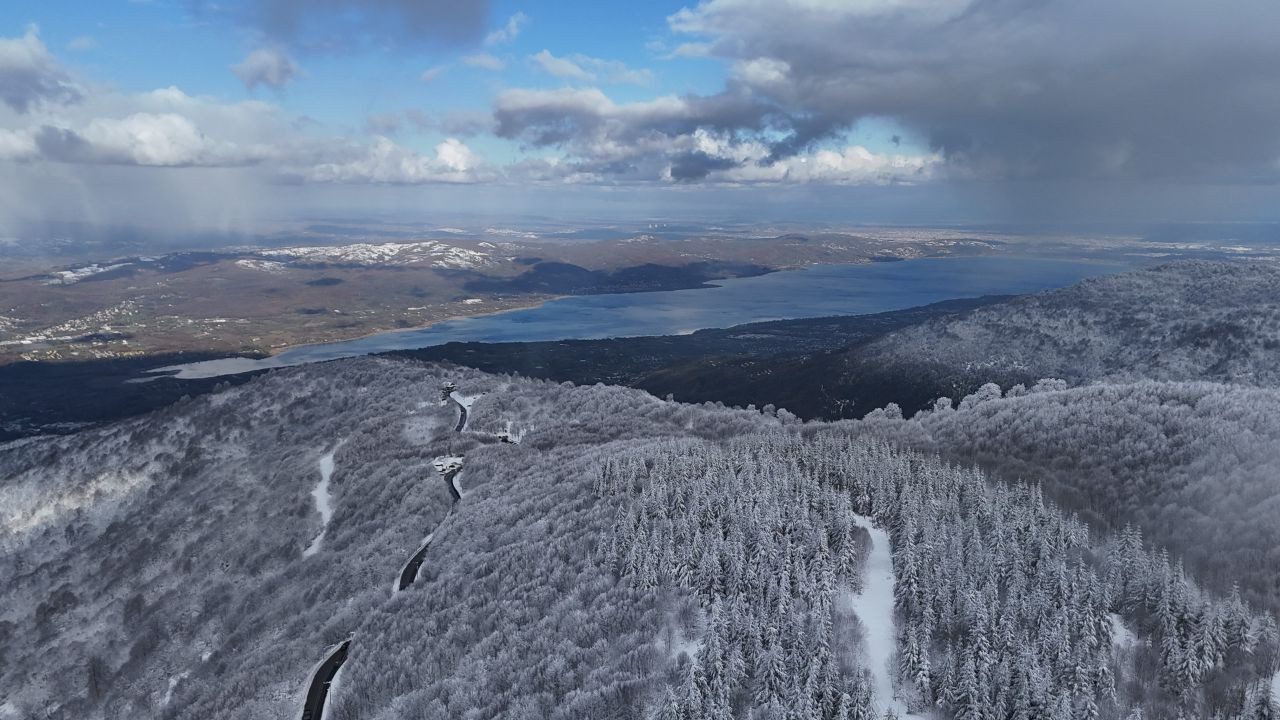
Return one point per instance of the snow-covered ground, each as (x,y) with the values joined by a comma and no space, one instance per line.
(333,688)
(447,463)
(437,254)
(268,266)
(874,607)
(75,275)
(1275,690)
(1121,636)
(324,501)
(466,401)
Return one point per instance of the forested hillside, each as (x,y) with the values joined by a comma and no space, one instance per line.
(158,567)
(1181,321)
(1196,466)
(624,557)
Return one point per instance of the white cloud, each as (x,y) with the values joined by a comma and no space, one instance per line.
(589,69)
(386,162)
(432,73)
(762,72)
(560,67)
(165,139)
(30,76)
(484,60)
(508,32)
(17,145)
(82,43)
(267,66)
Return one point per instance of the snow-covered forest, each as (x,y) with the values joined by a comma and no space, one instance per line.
(1008,609)
(1101,546)
(1195,320)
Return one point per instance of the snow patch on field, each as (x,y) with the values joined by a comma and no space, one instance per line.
(874,607)
(436,254)
(75,275)
(324,501)
(267,266)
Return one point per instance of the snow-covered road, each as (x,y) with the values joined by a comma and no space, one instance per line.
(874,607)
(324,501)
(464,406)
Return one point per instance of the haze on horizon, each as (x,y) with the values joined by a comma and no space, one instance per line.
(190,116)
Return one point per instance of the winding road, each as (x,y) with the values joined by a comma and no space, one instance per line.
(462,414)
(322,678)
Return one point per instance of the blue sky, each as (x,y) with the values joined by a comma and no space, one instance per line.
(939,108)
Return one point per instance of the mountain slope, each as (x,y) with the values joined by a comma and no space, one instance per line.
(1181,321)
(134,550)
(628,557)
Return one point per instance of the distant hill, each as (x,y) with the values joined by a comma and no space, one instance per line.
(1194,320)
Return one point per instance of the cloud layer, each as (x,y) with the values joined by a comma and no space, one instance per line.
(29,75)
(340,25)
(1015,88)
(266,66)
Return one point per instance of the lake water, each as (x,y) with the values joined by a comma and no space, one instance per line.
(818,291)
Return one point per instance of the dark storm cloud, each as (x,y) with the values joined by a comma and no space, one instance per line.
(30,76)
(1146,88)
(347,24)
(1065,89)
(697,165)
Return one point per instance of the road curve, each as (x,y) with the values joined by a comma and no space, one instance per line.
(410,571)
(462,415)
(453,489)
(321,680)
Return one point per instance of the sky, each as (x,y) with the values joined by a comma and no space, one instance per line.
(232,115)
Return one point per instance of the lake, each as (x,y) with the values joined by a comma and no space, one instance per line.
(817,291)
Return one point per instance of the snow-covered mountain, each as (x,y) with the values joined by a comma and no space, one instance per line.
(626,558)
(428,252)
(1194,320)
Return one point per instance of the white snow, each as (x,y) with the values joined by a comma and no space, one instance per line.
(446,463)
(513,433)
(324,502)
(75,275)
(436,254)
(333,687)
(1275,690)
(874,607)
(267,266)
(675,642)
(465,401)
(1121,636)
(173,683)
